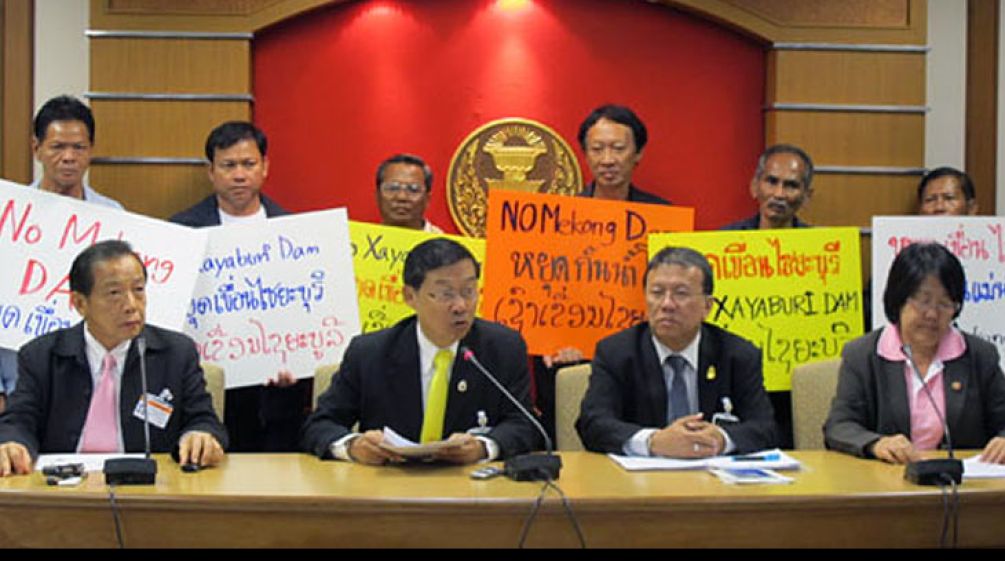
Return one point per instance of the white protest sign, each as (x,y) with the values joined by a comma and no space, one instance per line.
(40,235)
(979,243)
(274,296)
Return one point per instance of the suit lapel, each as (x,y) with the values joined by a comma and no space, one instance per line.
(459,414)
(707,392)
(405,381)
(653,384)
(893,378)
(954,383)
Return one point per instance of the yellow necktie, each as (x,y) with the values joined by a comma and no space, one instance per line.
(436,401)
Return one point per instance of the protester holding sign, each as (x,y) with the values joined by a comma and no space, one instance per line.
(80,387)
(62,143)
(259,419)
(676,386)
(415,377)
(882,408)
(946,191)
(404,183)
(612,138)
(782,184)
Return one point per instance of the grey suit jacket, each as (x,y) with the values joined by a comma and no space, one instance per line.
(871,399)
(46,412)
(379,384)
(627,391)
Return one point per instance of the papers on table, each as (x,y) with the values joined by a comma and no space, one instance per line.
(402,446)
(765,459)
(974,468)
(735,476)
(92,462)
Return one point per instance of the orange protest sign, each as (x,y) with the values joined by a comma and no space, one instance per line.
(567,271)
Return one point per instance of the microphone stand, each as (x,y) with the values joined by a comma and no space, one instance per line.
(525,467)
(933,472)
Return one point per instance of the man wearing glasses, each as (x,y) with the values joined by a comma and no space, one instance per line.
(657,387)
(404,182)
(413,377)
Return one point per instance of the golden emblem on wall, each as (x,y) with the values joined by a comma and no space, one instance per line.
(514,154)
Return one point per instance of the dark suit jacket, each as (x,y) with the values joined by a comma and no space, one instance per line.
(635,195)
(207,212)
(379,384)
(871,399)
(47,411)
(627,392)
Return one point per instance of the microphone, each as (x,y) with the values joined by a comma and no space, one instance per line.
(525,467)
(932,472)
(135,471)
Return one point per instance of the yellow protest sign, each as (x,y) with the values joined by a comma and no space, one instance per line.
(796,294)
(378,258)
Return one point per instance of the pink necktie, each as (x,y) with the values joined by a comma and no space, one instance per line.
(101,432)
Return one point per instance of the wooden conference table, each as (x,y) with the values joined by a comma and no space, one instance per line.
(295,500)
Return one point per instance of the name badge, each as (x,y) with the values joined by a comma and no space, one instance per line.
(159,410)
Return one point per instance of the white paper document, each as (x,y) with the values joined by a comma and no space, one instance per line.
(402,446)
(974,468)
(92,462)
(765,459)
(735,476)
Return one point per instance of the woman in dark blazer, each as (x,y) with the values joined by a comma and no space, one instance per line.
(881,409)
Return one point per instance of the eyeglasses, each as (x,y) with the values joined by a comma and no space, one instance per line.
(928,304)
(679,296)
(410,189)
(446,297)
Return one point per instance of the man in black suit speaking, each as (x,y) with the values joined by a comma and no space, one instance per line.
(79,387)
(412,377)
(656,387)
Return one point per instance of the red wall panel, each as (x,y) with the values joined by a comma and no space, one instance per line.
(339,89)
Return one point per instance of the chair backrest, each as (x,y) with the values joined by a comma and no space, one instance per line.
(570,387)
(323,379)
(813,388)
(216,386)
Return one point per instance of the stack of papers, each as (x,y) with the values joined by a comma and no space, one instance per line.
(765,459)
(974,468)
(404,447)
(735,476)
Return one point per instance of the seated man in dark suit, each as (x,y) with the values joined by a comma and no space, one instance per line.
(258,418)
(410,377)
(78,387)
(655,387)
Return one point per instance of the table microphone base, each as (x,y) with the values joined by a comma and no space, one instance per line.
(130,471)
(934,472)
(533,467)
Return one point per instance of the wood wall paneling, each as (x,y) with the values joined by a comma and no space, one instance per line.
(153,190)
(160,128)
(847,77)
(170,66)
(982,100)
(844,21)
(847,13)
(852,139)
(16,88)
(197,15)
(852,199)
